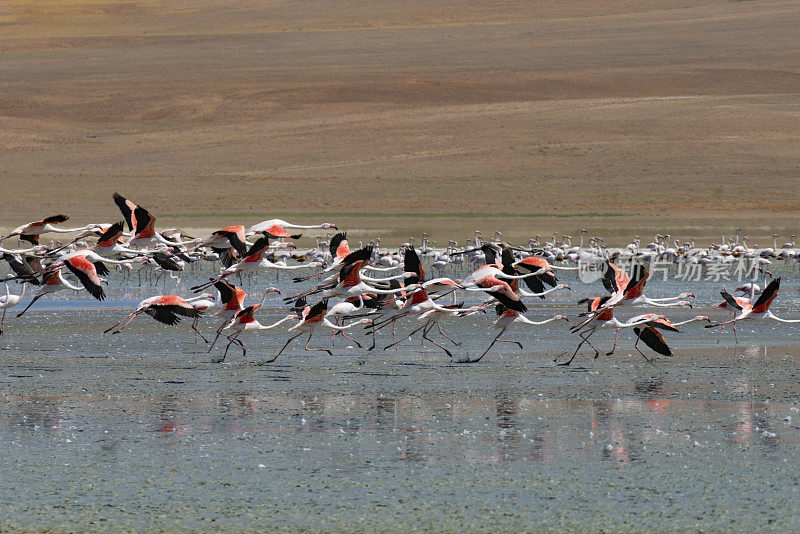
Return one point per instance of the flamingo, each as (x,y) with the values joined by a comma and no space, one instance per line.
(232,300)
(432,314)
(52,281)
(311,318)
(507,318)
(348,281)
(602,319)
(656,321)
(500,290)
(277,228)
(253,261)
(353,305)
(30,232)
(224,241)
(245,322)
(9,300)
(165,309)
(757,310)
(651,336)
(25,269)
(142,225)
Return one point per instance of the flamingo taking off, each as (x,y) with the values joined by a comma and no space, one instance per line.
(166,309)
(7,301)
(245,321)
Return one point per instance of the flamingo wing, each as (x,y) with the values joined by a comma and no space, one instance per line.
(317,311)
(362,254)
(412,264)
(338,246)
(247,315)
(163,314)
(504,294)
(767,296)
(730,300)
(615,278)
(111,235)
(653,339)
(261,245)
(87,274)
(226,291)
(54,219)
(166,262)
(234,240)
(635,287)
(145,222)
(21,268)
(127,208)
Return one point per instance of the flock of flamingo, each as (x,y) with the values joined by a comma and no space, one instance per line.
(357,287)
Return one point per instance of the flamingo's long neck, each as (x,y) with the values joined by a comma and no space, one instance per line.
(538,323)
(692,320)
(273,325)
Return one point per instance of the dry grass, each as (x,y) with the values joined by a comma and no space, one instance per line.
(617,116)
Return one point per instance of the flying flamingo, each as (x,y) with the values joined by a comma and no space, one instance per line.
(535,264)
(351,308)
(506,319)
(500,290)
(109,243)
(311,318)
(624,290)
(245,322)
(348,281)
(757,310)
(9,301)
(253,261)
(232,300)
(424,306)
(165,309)
(30,232)
(26,268)
(142,225)
(224,240)
(52,281)
(650,335)
(277,228)
(602,319)
(656,321)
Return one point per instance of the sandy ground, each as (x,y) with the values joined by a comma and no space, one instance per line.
(653,116)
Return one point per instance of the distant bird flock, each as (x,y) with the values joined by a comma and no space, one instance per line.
(383,290)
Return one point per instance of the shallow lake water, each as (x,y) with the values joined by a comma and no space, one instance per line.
(140,431)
